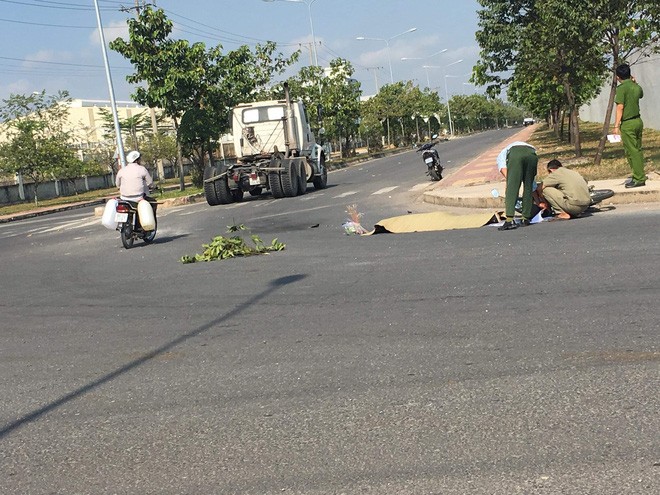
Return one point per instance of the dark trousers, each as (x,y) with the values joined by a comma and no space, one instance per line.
(521,167)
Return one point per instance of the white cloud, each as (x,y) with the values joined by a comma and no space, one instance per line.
(46,56)
(114,30)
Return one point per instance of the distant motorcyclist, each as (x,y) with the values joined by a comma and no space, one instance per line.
(134,180)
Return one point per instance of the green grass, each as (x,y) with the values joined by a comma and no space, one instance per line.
(613,164)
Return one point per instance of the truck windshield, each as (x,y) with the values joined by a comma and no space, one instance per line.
(262,114)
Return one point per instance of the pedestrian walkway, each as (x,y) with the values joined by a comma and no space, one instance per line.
(478,184)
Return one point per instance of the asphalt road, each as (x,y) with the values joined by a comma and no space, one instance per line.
(467,361)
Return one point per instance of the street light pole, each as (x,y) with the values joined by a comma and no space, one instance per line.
(451,127)
(311,23)
(387,43)
(115,117)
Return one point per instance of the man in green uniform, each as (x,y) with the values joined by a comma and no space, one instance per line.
(520,161)
(629,124)
(565,191)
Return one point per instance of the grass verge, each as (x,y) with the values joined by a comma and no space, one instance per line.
(613,164)
(97,195)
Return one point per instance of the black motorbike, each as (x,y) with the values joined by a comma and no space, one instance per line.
(128,222)
(432,159)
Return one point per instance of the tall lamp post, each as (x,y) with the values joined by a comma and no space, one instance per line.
(451,125)
(311,23)
(426,67)
(115,118)
(387,42)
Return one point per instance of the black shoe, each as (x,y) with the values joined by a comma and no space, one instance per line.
(632,184)
(507,226)
(525,223)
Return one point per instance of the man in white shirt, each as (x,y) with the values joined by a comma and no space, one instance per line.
(133,180)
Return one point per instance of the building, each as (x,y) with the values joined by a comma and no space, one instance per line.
(647,74)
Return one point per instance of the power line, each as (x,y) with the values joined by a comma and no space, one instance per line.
(13,21)
(60,63)
(59,6)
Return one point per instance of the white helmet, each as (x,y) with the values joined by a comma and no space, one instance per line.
(133,156)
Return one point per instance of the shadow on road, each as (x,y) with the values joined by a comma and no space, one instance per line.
(79,392)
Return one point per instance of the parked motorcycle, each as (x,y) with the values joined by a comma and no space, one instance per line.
(432,159)
(130,217)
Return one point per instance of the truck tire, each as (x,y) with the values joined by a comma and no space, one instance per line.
(302,178)
(321,180)
(274,181)
(289,177)
(209,187)
(222,190)
(237,195)
(275,184)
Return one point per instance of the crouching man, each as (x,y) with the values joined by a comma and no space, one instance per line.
(565,191)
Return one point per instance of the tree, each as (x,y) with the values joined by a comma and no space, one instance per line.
(182,77)
(132,127)
(571,58)
(37,145)
(629,31)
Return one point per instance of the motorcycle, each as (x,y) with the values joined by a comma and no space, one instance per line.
(598,195)
(432,159)
(127,217)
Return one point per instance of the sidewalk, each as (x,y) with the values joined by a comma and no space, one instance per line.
(472,185)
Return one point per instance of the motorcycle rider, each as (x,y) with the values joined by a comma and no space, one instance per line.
(134,180)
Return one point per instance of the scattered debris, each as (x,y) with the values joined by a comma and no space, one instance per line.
(221,248)
(352,224)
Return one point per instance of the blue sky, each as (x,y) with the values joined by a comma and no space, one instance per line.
(54,44)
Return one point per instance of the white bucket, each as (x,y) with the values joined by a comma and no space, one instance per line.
(146,215)
(108,218)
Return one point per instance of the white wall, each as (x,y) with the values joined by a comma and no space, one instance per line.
(647,74)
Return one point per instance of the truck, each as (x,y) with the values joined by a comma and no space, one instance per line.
(275,150)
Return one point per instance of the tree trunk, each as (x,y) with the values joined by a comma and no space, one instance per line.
(606,124)
(179,156)
(610,104)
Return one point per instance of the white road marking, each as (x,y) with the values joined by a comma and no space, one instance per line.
(384,190)
(343,195)
(66,226)
(309,197)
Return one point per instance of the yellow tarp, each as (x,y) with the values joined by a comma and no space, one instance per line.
(437,220)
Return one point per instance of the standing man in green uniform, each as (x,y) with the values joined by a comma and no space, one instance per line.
(628,123)
(520,161)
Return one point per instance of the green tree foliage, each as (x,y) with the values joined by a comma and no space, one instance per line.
(336,93)
(552,55)
(131,127)
(630,32)
(182,78)
(37,146)
(571,58)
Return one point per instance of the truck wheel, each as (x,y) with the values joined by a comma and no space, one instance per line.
(223,192)
(321,180)
(302,178)
(290,178)
(274,181)
(209,187)
(275,184)
(237,195)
